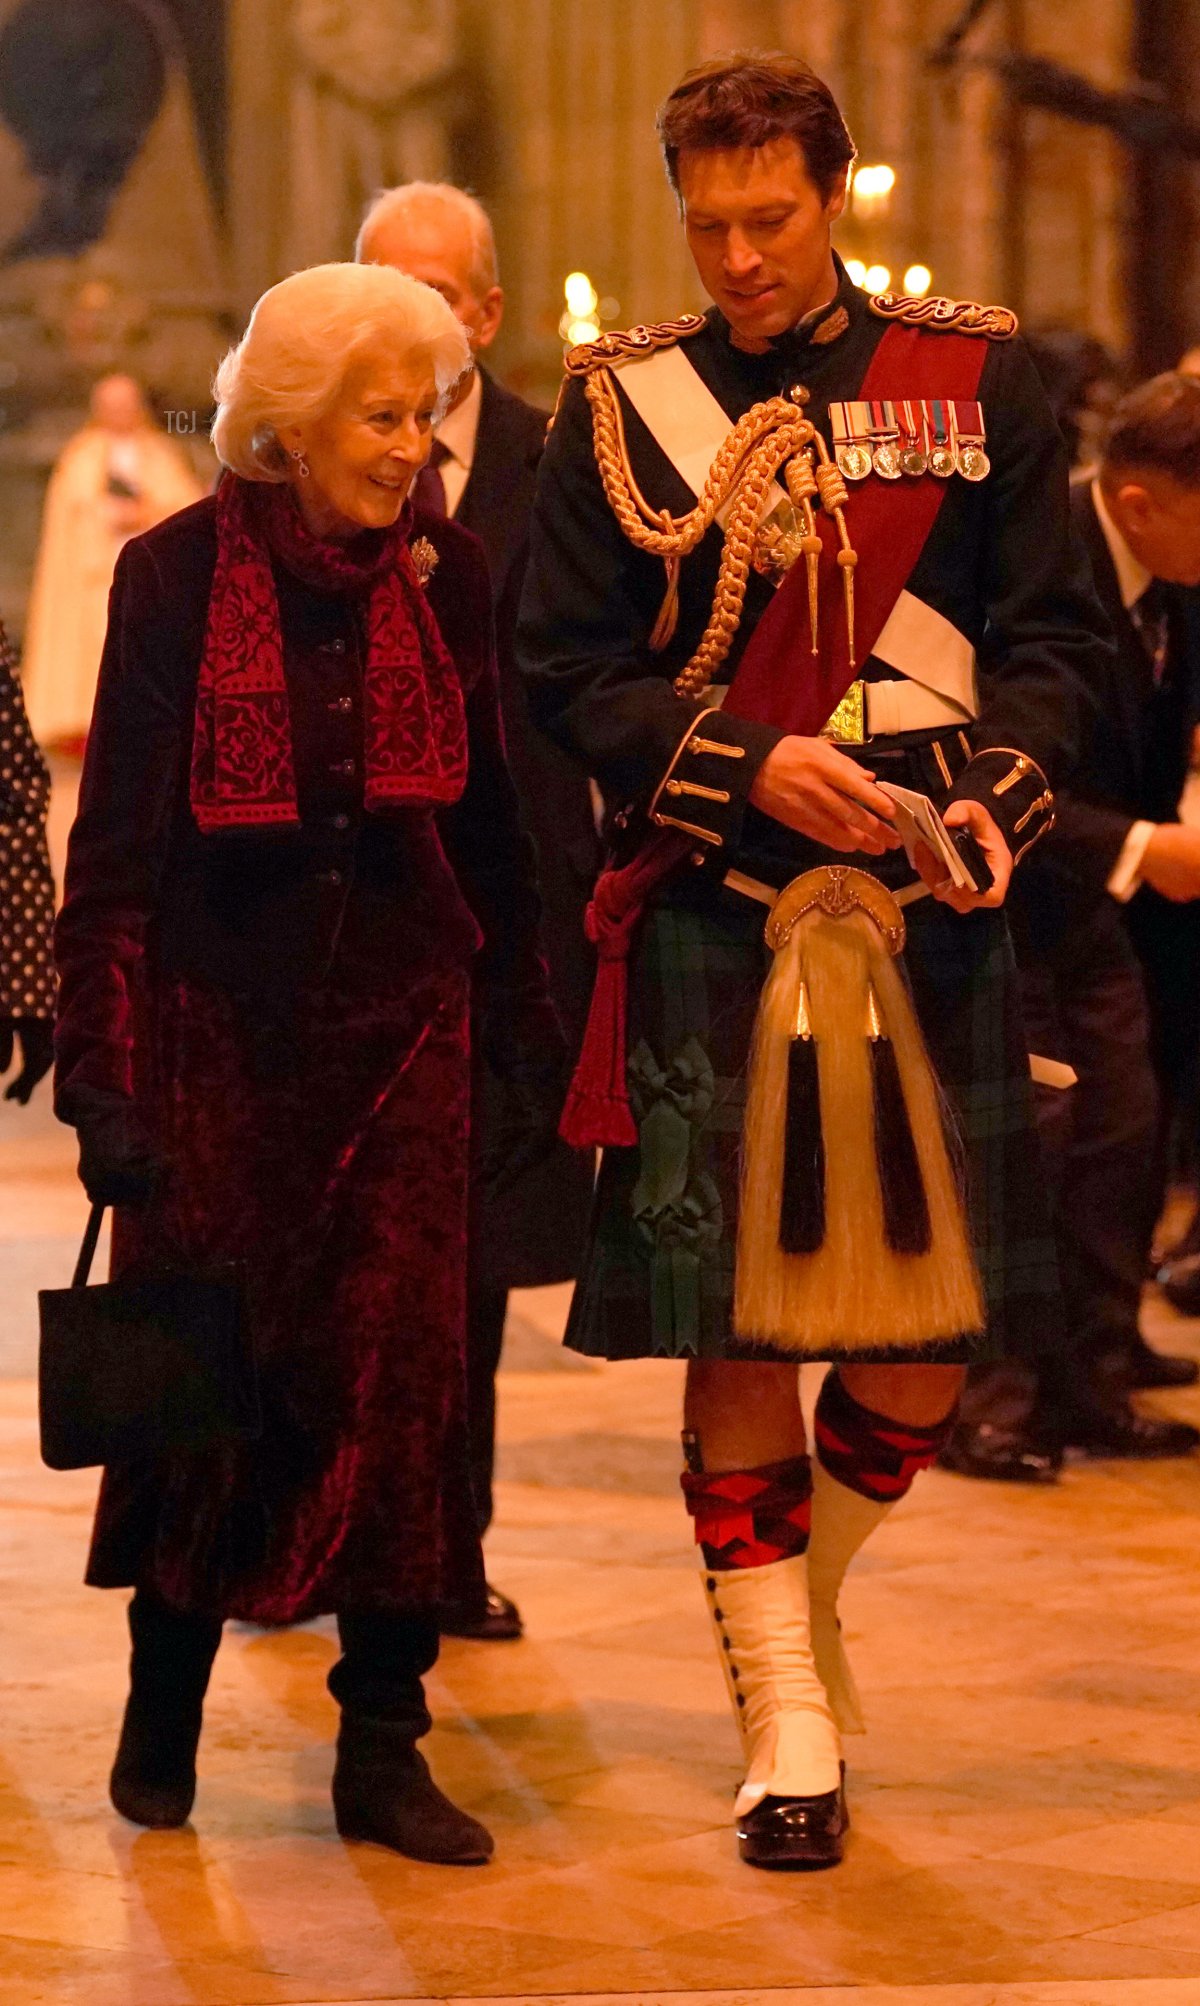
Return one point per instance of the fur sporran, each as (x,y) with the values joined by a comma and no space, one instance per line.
(852,1229)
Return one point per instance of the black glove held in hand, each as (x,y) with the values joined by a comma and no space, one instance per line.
(35,1038)
(525,1133)
(118,1164)
(529,1053)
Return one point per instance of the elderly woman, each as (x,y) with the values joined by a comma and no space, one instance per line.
(296,832)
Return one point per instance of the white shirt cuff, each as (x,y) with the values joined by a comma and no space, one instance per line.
(1126,875)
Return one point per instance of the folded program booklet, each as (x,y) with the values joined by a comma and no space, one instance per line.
(918,821)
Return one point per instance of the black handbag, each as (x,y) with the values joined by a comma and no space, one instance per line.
(130,1370)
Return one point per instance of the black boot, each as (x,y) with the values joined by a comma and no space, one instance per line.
(153,1781)
(382,1789)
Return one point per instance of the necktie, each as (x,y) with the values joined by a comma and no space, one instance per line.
(429,489)
(1149,616)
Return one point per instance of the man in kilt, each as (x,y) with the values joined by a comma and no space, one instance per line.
(772,547)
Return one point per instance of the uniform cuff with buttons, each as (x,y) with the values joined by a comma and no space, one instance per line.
(1015,792)
(705,788)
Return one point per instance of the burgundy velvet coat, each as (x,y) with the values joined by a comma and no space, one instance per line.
(290,1011)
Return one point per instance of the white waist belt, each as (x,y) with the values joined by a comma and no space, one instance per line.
(1044,1072)
(904,706)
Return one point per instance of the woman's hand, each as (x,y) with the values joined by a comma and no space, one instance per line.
(118,1163)
(525,1131)
(808,785)
(974,816)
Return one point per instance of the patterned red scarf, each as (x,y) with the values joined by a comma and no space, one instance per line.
(243,775)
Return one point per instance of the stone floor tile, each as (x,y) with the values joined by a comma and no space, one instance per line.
(1136,1849)
(1026,1804)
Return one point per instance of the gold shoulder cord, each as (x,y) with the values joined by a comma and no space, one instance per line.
(946,316)
(766,437)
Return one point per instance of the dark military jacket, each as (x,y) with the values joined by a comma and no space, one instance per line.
(1002,563)
(530,1234)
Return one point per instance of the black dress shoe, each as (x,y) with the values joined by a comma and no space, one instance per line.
(1120,1431)
(498,1621)
(795,1832)
(1180,1283)
(1002,1455)
(1149,1369)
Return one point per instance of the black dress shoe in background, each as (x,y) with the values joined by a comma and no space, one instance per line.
(1149,1369)
(1000,1455)
(1116,1429)
(795,1833)
(1180,1283)
(498,1621)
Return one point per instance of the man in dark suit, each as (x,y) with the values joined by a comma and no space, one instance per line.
(1107,927)
(482,470)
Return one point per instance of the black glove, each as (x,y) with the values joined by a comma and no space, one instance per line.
(118,1163)
(524,1134)
(529,1054)
(35,1036)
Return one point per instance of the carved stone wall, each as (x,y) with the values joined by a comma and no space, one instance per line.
(546,108)
(150,295)
(1028,211)
(561,145)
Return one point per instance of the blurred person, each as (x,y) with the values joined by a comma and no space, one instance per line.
(481,471)
(742,685)
(1108,935)
(296,834)
(114,479)
(27,982)
(1082,379)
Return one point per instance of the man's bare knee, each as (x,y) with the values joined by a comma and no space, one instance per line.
(921,1393)
(744,1414)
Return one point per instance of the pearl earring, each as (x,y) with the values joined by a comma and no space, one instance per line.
(302,467)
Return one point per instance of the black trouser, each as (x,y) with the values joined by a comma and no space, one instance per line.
(1101,1139)
(486,1311)
(1100,1146)
(1166,938)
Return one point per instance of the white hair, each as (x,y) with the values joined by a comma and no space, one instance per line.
(436,199)
(301,339)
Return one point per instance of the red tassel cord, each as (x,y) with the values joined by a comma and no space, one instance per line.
(597,1114)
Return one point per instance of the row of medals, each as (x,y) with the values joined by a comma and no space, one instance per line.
(890,459)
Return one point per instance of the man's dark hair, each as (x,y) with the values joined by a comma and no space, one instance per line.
(749,98)
(1157,426)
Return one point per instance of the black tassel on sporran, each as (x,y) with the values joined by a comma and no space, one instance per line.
(906,1223)
(802,1200)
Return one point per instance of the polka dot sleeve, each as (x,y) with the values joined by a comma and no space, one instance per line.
(27,979)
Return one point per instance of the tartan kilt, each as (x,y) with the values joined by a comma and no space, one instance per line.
(657,1279)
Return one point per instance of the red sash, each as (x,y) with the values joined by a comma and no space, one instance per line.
(778,681)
